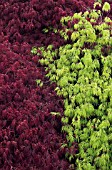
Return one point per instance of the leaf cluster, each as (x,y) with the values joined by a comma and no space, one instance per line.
(83,73)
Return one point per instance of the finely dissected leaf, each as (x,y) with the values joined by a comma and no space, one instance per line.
(106,6)
(34,50)
(55,113)
(94,14)
(39,82)
(74,36)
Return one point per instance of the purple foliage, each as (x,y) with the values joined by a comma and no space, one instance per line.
(23,22)
(30,137)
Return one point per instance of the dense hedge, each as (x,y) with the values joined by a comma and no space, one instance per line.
(82,70)
(29,137)
(23,21)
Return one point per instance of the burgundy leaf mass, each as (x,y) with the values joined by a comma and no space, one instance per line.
(30,138)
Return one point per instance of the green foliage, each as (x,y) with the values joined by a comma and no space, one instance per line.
(106,7)
(39,82)
(34,50)
(55,113)
(45,30)
(97,3)
(83,73)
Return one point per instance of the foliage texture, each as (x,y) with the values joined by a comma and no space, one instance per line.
(82,70)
